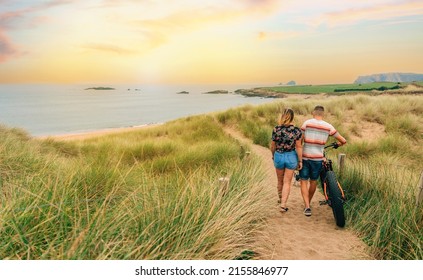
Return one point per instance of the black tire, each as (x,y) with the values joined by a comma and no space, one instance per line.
(335,198)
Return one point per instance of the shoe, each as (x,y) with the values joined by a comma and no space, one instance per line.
(283,209)
(307,212)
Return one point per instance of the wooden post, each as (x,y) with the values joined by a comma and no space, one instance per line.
(419,195)
(341,164)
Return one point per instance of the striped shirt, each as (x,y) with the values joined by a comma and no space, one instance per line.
(316,133)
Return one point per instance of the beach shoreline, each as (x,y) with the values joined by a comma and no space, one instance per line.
(95,133)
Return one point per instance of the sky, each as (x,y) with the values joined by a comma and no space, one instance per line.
(207,42)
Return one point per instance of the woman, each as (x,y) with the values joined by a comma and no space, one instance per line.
(286,154)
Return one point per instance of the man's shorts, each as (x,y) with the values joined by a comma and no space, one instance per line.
(288,160)
(311,169)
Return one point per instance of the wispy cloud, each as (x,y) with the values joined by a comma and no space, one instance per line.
(379,12)
(11,19)
(158,29)
(14,19)
(7,48)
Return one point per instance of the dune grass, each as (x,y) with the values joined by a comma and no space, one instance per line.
(382,171)
(155,193)
(152,194)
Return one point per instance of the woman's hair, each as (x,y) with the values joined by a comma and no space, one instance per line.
(286,117)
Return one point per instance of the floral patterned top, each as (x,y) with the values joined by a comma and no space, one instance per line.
(285,137)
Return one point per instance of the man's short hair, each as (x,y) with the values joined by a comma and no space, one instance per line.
(319,110)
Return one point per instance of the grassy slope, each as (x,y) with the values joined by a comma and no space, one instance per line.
(382,173)
(152,194)
(316,89)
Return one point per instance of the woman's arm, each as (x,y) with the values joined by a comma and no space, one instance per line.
(299,149)
(273,148)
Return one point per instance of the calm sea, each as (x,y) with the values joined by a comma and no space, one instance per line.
(60,109)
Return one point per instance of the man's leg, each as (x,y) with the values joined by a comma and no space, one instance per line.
(315,168)
(305,193)
(311,190)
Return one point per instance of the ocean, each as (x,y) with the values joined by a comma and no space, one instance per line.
(44,110)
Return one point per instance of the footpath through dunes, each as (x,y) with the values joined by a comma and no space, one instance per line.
(292,235)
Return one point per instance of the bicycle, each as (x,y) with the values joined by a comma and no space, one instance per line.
(332,190)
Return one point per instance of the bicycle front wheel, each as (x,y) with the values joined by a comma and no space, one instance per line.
(336,201)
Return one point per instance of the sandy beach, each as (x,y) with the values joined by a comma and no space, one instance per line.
(96,133)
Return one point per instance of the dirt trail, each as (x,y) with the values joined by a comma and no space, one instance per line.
(293,236)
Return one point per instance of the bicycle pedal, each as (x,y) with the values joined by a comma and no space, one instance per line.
(323,202)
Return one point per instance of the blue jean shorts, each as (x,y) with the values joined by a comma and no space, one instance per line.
(311,169)
(287,160)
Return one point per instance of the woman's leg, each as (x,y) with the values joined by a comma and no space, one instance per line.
(287,181)
(280,176)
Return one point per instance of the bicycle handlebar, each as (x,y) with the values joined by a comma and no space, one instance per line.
(332,145)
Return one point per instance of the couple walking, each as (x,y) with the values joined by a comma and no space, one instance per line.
(300,149)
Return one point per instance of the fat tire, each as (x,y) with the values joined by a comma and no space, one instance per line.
(335,198)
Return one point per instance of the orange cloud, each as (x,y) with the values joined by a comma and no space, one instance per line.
(157,31)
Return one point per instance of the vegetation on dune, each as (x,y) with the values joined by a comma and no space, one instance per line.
(152,194)
(382,169)
(155,193)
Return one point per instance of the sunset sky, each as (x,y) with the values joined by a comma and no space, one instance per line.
(191,41)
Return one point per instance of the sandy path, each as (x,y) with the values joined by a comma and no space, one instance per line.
(293,236)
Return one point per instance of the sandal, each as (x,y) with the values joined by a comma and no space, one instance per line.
(283,209)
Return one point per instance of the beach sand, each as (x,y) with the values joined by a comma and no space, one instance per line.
(96,133)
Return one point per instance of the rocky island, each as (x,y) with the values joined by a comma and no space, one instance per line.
(217,92)
(100,88)
(183,92)
(260,92)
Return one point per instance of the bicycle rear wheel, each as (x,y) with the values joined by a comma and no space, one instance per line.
(336,201)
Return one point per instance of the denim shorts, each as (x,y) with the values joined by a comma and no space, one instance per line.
(311,169)
(287,160)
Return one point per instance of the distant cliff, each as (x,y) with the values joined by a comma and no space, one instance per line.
(389,77)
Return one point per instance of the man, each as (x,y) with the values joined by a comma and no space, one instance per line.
(315,134)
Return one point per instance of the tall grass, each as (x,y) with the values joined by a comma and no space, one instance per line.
(382,171)
(382,208)
(152,194)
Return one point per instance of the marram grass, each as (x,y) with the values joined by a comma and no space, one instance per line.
(152,194)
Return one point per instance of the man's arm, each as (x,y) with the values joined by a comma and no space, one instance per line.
(341,140)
